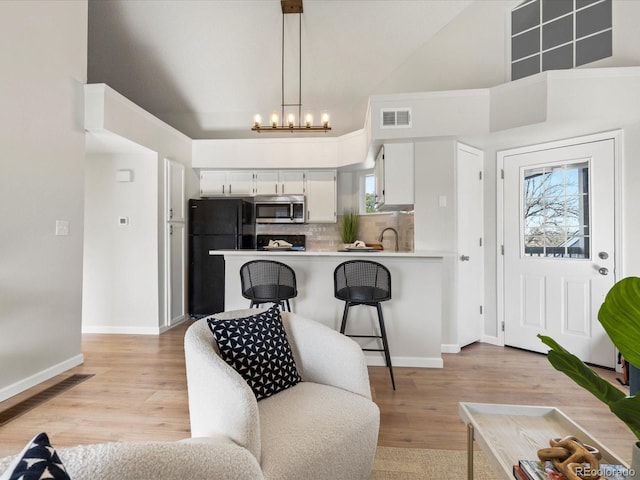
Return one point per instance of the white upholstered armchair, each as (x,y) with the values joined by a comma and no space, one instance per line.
(325,427)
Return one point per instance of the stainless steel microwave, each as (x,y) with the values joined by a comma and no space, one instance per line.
(281,209)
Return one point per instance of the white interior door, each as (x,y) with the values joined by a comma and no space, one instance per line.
(470,263)
(175,243)
(559,243)
(176,308)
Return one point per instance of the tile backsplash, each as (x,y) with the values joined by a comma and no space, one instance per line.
(326,236)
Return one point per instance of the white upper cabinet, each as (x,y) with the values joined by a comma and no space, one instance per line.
(240,182)
(291,182)
(393,173)
(218,183)
(175,191)
(266,182)
(213,183)
(321,196)
(279,182)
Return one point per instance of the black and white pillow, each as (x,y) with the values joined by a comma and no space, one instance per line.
(258,349)
(37,461)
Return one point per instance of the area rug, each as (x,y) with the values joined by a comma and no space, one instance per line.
(417,463)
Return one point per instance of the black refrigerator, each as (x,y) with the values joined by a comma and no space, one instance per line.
(215,224)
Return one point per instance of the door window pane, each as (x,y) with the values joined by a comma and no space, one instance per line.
(556,211)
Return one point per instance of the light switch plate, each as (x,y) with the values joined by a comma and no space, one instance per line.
(442,200)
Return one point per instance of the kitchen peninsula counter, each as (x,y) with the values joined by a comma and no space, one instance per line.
(413,316)
(369,254)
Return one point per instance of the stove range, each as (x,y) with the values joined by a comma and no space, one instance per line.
(298,242)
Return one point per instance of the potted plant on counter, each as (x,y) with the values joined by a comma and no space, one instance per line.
(349,227)
(620,317)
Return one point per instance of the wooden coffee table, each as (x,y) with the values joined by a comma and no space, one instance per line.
(509,433)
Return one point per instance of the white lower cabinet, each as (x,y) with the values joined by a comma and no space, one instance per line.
(321,196)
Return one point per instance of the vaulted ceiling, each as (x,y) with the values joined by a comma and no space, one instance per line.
(207,67)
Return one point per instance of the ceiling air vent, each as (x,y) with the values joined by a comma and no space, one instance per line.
(395,117)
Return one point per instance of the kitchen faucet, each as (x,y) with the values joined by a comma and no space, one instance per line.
(394,231)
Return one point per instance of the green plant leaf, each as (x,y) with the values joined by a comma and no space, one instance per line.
(567,363)
(627,409)
(620,317)
(349,226)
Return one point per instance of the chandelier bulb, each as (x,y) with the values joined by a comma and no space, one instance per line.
(325,119)
(291,120)
(257,121)
(274,120)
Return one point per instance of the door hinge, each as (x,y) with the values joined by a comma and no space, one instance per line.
(481,310)
(502,173)
(502,326)
(501,249)
(480,241)
(480,175)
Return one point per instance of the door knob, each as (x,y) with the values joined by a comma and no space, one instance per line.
(603,255)
(464,258)
(603,271)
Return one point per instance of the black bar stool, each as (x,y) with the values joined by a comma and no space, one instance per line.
(268,281)
(363,282)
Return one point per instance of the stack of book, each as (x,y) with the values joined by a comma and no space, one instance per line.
(536,470)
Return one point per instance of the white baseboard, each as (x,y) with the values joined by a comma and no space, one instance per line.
(166,328)
(126,330)
(491,340)
(420,362)
(26,383)
(450,348)
(121,330)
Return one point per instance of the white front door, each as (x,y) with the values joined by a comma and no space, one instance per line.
(559,243)
(470,262)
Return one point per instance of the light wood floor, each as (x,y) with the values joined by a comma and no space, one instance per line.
(139,393)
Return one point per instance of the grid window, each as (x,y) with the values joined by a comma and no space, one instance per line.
(555,211)
(559,34)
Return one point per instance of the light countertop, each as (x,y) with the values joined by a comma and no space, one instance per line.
(307,253)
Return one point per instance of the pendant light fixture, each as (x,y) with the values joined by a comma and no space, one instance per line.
(278,123)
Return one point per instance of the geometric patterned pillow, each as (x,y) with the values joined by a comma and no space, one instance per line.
(258,349)
(37,461)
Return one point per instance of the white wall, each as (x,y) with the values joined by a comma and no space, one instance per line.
(120,261)
(43,51)
(473,50)
(578,103)
(631,200)
(469,52)
(435,226)
(121,135)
